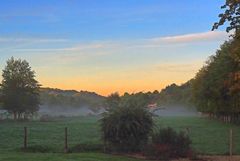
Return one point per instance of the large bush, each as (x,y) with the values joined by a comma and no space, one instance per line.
(126,129)
(167,143)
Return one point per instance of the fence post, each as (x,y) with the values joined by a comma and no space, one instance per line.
(25,138)
(230,142)
(66,141)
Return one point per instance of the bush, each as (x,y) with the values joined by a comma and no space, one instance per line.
(167,143)
(158,151)
(126,129)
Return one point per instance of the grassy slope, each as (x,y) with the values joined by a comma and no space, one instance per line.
(208,136)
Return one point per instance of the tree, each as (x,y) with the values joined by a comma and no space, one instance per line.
(20,89)
(139,99)
(176,94)
(0,97)
(231,15)
(112,101)
(216,86)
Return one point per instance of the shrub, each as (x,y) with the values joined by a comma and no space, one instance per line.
(167,143)
(158,151)
(126,129)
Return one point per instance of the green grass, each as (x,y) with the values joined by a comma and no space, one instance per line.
(62,157)
(50,134)
(208,137)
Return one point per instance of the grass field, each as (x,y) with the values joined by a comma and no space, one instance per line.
(62,157)
(208,137)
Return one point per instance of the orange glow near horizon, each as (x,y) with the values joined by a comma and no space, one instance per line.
(104,82)
(107,86)
(107,91)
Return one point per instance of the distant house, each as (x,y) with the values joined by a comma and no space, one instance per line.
(152,106)
(4,114)
(2,111)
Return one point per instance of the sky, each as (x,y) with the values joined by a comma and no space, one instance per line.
(110,46)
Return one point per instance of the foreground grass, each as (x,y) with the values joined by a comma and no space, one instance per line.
(208,136)
(62,157)
(84,130)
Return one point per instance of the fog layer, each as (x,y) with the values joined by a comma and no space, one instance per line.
(176,111)
(66,111)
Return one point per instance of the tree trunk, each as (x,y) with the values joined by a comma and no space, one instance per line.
(14,115)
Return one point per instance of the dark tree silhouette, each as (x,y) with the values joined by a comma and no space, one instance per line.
(20,89)
(231,15)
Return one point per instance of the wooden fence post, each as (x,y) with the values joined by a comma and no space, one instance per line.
(66,141)
(25,138)
(230,142)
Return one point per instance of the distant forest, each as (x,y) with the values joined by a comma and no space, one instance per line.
(70,98)
(171,95)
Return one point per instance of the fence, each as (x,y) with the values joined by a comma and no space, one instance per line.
(25,139)
(51,138)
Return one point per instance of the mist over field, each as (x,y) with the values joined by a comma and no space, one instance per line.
(68,111)
(177,110)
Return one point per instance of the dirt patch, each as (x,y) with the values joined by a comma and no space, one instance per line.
(213,158)
(200,158)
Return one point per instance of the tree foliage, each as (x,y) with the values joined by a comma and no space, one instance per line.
(139,99)
(112,101)
(20,89)
(216,87)
(55,98)
(231,15)
(176,94)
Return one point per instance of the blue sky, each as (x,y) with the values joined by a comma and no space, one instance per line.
(97,20)
(107,46)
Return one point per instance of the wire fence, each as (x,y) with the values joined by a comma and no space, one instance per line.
(213,141)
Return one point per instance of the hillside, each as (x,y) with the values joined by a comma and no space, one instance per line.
(57,98)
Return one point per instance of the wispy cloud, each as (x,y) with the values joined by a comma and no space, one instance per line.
(138,43)
(195,37)
(32,40)
(73,52)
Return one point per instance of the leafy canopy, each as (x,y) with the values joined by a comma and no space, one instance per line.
(231,15)
(20,89)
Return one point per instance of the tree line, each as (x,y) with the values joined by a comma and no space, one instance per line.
(216,87)
(214,90)
(21,94)
(54,98)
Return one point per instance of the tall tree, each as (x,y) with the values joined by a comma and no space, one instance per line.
(216,86)
(20,89)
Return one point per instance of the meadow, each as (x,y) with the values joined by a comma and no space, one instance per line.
(208,137)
